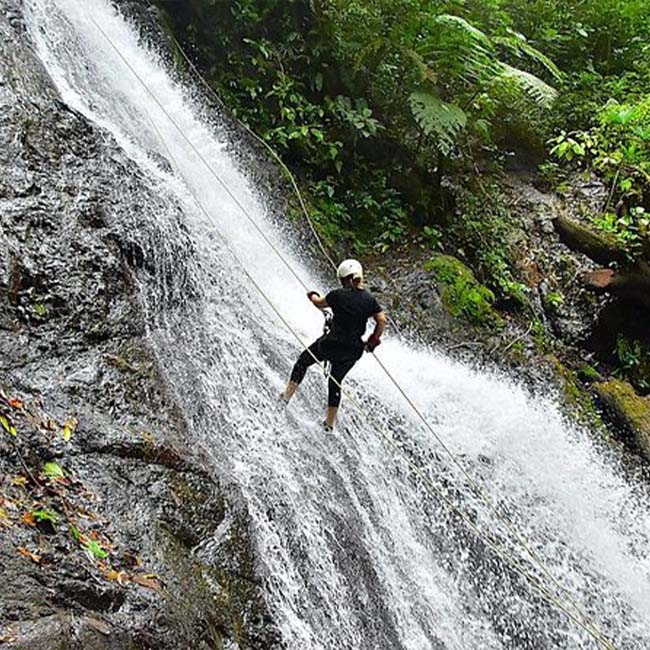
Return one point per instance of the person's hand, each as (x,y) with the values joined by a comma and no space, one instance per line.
(311,294)
(372,343)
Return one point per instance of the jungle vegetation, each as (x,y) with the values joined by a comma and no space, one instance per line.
(397,116)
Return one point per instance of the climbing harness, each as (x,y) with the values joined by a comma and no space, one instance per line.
(571,610)
(327,328)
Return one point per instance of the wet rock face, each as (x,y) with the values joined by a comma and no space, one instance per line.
(74,252)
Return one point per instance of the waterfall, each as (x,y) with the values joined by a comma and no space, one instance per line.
(356,550)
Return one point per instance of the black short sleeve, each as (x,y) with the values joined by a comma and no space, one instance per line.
(352,308)
(331,298)
(374,306)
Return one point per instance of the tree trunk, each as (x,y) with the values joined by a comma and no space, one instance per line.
(599,247)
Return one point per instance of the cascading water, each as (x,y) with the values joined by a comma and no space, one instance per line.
(357,551)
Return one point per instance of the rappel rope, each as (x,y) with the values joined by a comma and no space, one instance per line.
(384,434)
(581,619)
(478,490)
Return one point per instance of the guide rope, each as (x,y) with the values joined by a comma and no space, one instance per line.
(496,508)
(578,616)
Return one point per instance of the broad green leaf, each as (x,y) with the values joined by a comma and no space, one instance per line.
(53,470)
(537,89)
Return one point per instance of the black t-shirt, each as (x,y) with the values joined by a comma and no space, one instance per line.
(352,308)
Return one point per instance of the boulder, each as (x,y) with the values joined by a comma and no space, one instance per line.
(627,410)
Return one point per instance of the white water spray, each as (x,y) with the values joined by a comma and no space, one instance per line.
(356,551)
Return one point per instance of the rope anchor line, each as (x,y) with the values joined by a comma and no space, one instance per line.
(571,609)
(502,516)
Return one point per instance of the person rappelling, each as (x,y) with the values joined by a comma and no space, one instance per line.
(342,344)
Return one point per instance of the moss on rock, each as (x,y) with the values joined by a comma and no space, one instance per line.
(577,399)
(628,410)
(462,295)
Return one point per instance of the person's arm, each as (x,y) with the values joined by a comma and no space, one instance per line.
(317,300)
(380,325)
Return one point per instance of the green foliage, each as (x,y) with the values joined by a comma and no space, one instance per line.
(366,100)
(437,118)
(373,215)
(432,237)
(554,299)
(463,295)
(541,337)
(589,373)
(634,362)
(539,91)
(483,227)
(618,149)
(53,471)
(45,516)
(631,230)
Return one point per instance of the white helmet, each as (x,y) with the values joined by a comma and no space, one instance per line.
(349,268)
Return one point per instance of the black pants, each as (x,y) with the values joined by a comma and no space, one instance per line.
(341,356)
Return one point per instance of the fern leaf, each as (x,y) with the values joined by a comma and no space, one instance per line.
(445,122)
(534,54)
(458,48)
(538,90)
(517,44)
(372,49)
(426,73)
(456,22)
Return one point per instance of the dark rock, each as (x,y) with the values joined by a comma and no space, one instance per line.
(72,343)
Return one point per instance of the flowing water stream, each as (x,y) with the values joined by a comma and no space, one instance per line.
(356,549)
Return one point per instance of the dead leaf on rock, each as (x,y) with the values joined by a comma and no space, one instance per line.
(29,519)
(149,581)
(69,427)
(8,638)
(121,577)
(83,512)
(131,560)
(49,425)
(98,625)
(28,554)
(4,518)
